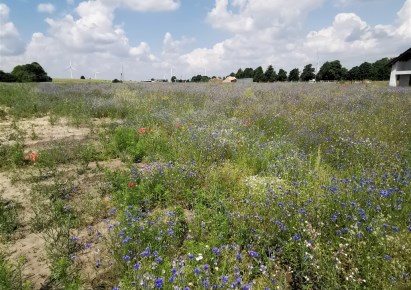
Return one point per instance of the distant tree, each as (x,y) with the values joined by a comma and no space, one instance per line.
(200,78)
(366,71)
(248,73)
(282,75)
(196,79)
(294,75)
(269,75)
(382,70)
(232,74)
(239,74)
(308,73)
(353,74)
(173,79)
(82,78)
(331,71)
(7,77)
(30,73)
(116,81)
(258,75)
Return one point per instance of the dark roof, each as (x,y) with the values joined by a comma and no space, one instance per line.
(405,56)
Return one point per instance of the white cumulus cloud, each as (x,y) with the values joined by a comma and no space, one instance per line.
(10,40)
(46,8)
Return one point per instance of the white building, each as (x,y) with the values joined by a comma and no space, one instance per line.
(401,70)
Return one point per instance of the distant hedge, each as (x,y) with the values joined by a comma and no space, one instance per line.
(26,73)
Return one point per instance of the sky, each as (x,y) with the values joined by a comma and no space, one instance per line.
(156,38)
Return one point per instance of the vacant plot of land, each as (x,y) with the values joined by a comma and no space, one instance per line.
(187,186)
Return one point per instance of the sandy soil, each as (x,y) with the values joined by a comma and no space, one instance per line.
(36,134)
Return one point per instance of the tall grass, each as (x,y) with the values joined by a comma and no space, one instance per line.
(302,186)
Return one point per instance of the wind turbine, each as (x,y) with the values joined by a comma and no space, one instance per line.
(95,74)
(71,68)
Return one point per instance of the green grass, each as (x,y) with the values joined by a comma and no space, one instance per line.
(300,186)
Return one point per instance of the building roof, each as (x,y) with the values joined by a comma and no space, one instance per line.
(405,56)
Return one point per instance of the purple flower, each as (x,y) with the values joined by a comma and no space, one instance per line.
(224,279)
(216,251)
(253,254)
(126,258)
(296,237)
(197,271)
(159,283)
(136,266)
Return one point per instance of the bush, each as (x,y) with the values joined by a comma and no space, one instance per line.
(116,81)
(30,73)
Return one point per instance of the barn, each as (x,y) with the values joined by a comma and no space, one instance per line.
(401,70)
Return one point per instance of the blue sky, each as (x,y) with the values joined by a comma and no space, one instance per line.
(151,37)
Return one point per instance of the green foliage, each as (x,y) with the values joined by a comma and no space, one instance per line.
(8,217)
(308,73)
(7,77)
(294,75)
(270,75)
(11,274)
(331,71)
(30,73)
(258,75)
(282,75)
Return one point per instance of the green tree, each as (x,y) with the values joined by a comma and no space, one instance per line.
(7,77)
(353,74)
(239,74)
(270,75)
(331,71)
(282,75)
(258,75)
(294,75)
(173,79)
(366,71)
(382,70)
(308,73)
(30,73)
(248,73)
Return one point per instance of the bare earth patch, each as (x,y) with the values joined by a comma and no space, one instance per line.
(15,186)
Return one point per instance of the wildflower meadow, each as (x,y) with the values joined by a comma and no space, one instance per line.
(205,186)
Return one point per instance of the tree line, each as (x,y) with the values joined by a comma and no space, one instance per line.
(329,71)
(25,73)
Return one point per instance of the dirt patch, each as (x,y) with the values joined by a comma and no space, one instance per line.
(32,248)
(39,130)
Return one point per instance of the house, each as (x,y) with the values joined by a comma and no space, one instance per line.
(230,79)
(401,70)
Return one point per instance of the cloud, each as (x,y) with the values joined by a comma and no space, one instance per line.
(241,16)
(351,38)
(10,40)
(46,8)
(144,5)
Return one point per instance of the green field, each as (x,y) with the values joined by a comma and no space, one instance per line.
(205,186)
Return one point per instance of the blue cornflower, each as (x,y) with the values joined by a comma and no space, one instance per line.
(224,279)
(239,257)
(296,237)
(190,256)
(216,251)
(159,283)
(136,266)
(159,260)
(126,258)
(387,257)
(197,271)
(253,254)
(338,232)
(206,267)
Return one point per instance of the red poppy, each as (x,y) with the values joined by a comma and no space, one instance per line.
(131,184)
(30,156)
(141,130)
(178,124)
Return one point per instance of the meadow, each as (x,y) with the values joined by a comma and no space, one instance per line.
(205,186)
